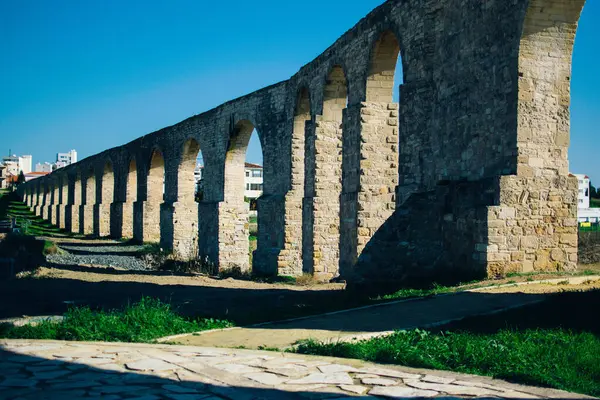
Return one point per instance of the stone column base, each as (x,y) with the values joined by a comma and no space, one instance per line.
(60,216)
(72,218)
(124,216)
(184,220)
(102,220)
(289,259)
(267,249)
(87,222)
(151,222)
(45,213)
(534,228)
(223,239)
(138,221)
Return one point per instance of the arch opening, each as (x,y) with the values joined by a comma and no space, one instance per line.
(131,197)
(154,197)
(189,193)
(323,181)
(242,191)
(371,155)
(544,135)
(290,259)
(385,70)
(89,202)
(76,201)
(106,199)
(131,193)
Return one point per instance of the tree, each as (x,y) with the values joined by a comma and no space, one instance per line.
(21,178)
(594,193)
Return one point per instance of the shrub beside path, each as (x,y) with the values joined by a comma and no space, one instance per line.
(66,370)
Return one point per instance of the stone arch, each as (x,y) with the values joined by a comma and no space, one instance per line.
(542,182)
(154,196)
(54,212)
(131,192)
(235,159)
(48,191)
(233,215)
(131,197)
(185,209)
(335,94)
(107,197)
(302,114)
(76,201)
(323,180)
(89,201)
(371,153)
(290,258)
(382,67)
(545,57)
(63,191)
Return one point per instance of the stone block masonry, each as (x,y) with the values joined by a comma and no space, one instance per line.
(465,175)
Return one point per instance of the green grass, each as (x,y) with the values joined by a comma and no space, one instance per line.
(555,343)
(554,358)
(31,224)
(144,321)
(410,293)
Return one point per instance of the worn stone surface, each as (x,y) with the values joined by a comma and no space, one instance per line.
(178,372)
(466,176)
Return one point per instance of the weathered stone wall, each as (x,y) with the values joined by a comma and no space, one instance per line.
(467,175)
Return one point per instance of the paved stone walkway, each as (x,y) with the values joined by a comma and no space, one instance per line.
(69,370)
(362,322)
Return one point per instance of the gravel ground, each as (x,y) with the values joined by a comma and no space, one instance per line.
(107,255)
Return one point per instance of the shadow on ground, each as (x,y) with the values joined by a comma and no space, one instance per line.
(245,306)
(80,381)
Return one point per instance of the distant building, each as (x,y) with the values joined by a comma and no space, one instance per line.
(3,177)
(64,159)
(34,175)
(15,164)
(45,167)
(253,182)
(584,212)
(583,193)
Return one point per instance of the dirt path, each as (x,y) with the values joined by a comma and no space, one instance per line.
(363,322)
(52,291)
(384,319)
(559,285)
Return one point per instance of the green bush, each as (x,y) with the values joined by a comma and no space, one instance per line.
(143,321)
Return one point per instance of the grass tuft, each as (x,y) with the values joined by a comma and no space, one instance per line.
(144,321)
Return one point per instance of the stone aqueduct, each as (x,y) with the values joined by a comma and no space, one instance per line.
(466,176)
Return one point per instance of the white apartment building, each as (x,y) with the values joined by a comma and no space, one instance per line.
(16,164)
(45,167)
(253,181)
(3,177)
(584,212)
(583,194)
(64,159)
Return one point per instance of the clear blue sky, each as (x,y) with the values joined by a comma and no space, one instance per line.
(95,74)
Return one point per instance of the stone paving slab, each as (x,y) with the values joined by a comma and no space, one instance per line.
(75,370)
(361,323)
